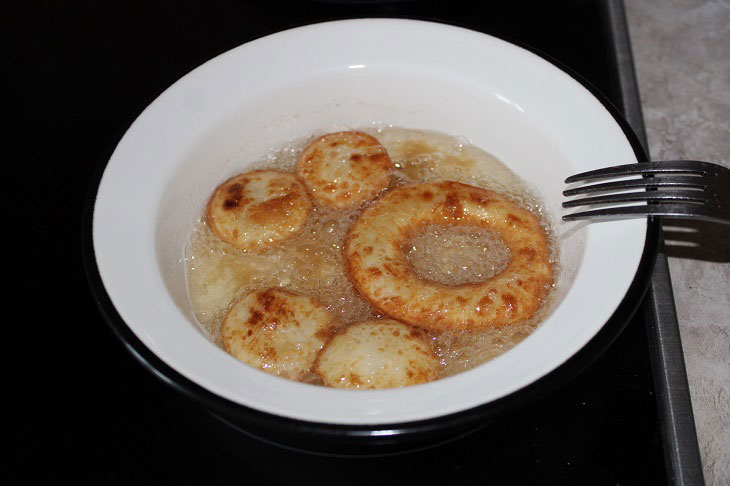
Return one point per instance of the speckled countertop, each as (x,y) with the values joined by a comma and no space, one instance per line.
(682,55)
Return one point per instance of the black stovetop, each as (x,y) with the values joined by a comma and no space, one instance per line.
(82,73)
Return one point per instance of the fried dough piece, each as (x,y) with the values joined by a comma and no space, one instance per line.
(377,264)
(276,331)
(254,210)
(345,169)
(377,354)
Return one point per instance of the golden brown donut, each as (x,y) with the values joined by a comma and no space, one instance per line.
(256,209)
(277,331)
(377,354)
(345,169)
(376,262)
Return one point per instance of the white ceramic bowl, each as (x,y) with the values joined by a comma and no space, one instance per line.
(232,110)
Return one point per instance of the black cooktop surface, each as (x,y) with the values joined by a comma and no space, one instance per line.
(82,73)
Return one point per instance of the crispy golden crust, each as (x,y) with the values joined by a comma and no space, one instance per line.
(345,169)
(277,331)
(377,354)
(256,209)
(377,265)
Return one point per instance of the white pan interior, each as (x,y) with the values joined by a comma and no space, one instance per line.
(233,110)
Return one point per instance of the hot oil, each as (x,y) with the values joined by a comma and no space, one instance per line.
(312,263)
(455,255)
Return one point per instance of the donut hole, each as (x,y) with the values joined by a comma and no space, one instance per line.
(456,255)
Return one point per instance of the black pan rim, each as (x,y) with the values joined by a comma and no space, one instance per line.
(340,439)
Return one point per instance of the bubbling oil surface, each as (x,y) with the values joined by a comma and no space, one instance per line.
(311,263)
(455,255)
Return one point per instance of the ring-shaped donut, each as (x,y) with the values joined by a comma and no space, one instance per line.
(377,264)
